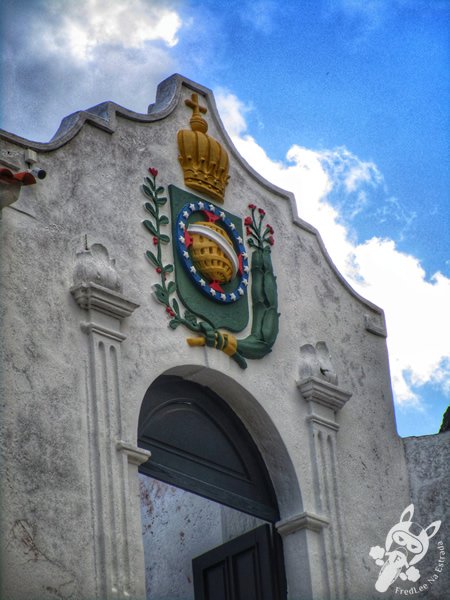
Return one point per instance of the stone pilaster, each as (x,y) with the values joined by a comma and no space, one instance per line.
(303,551)
(113,461)
(325,400)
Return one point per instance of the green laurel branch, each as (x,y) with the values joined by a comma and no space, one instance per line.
(165,290)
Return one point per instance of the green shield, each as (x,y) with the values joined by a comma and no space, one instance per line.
(225,303)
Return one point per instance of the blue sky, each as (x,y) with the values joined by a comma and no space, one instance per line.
(344,102)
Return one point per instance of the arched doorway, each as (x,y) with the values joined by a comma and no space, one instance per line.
(199,445)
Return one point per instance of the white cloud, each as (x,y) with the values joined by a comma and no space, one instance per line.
(416,308)
(92,51)
(232,111)
(87,24)
(416,311)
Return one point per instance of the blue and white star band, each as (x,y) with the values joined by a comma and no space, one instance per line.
(239,257)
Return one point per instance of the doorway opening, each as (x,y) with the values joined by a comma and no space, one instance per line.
(208,504)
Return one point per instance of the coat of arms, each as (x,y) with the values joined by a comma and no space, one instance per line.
(222,263)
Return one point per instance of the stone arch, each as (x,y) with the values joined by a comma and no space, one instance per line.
(291,522)
(260,427)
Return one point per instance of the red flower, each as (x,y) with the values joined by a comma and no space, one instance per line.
(155,241)
(153,171)
(252,206)
(248,221)
(248,231)
(261,211)
(269,228)
(169,311)
(271,240)
(158,269)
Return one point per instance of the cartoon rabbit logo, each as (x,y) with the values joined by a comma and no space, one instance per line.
(406,544)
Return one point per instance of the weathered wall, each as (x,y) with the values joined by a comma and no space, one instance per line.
(428,459)
(51,375)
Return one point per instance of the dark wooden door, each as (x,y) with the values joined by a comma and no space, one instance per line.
(245,568)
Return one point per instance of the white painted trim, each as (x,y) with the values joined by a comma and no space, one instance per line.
(323,392)
(91,327)
(92,296)
(372,327)
(305,520)
(322,421)
(115,533)
(136,456)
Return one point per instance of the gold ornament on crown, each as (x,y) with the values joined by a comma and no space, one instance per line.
(203,159)
(212,252)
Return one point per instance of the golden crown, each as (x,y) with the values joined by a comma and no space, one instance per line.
(203,159)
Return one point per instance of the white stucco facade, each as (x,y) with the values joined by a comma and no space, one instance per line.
(84,338)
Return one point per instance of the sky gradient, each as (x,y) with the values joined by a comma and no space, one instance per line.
(343,102)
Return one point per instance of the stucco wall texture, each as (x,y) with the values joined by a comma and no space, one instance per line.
(70,519)
(428,459)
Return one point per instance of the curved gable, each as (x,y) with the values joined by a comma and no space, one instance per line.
(169,93)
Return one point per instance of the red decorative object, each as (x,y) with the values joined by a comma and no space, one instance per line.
(22,178)
(241,267)
(258,233)
(212,218)
(153,171)
(215,285)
